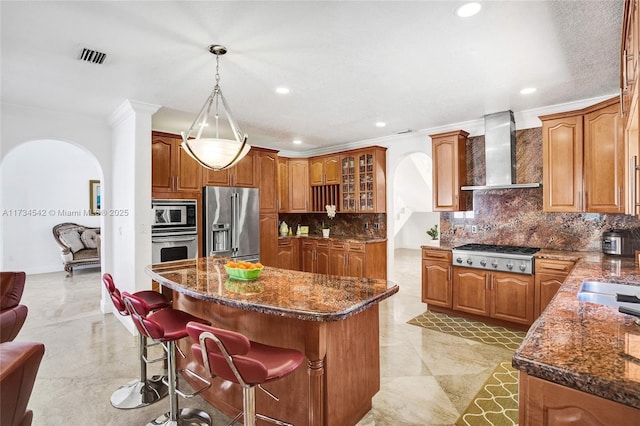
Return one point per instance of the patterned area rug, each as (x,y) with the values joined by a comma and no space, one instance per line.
(473,330)
(497,402)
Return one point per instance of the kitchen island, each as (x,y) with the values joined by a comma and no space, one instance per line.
(332,320)
(580,361)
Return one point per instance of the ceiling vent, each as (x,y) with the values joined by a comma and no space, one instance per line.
(92,56)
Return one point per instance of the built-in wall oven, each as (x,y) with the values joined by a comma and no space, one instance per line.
(174,232)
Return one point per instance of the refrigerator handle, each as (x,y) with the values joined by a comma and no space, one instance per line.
(234,223)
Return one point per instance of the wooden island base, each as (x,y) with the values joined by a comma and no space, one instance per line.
(334,387)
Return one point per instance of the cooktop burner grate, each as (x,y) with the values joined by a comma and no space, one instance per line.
(492,248)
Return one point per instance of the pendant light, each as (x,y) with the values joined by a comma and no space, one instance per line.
(215,153)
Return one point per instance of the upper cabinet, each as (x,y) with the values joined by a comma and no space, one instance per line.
(324,170)
(629,93)
(267,166)
(449,170)
(584,160)
(242,174)
(362,187)
(298,178)
(173,171)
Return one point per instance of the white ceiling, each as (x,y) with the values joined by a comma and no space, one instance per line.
(414,65)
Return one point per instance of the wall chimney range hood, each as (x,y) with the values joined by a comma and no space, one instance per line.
(500,153)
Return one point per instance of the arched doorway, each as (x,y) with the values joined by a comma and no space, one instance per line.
(43,183)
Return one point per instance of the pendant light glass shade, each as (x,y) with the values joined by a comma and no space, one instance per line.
(215,153)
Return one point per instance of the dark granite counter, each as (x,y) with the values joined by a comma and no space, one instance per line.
(348,239)
(282,292)
(585,346)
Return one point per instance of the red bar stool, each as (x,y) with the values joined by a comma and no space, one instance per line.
(166,326)
(233,357)
(143,391)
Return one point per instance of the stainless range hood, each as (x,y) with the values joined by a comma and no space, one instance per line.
(500,153)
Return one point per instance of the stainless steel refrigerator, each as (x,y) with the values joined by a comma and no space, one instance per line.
(232,222)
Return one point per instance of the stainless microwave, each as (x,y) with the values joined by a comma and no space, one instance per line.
(173,213)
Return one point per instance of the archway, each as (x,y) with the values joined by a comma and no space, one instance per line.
(43,183)
(412,211)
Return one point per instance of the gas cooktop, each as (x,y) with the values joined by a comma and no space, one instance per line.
(495,257)
(492,248)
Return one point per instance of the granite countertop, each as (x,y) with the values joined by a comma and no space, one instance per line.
(347,239)
(586,346)
(302,295)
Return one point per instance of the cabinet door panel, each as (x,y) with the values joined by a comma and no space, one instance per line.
(322,260)
(316,171)
(604,161)
(355,264)
(337,262)
(436,283)
(269,239)
(307,256)
(546,287)
(562,164)
(471,291)
(189,173)
(216,178)
(332,170)
(283,185)
(244,173)
(299,188)
(162,164)
(512,297)
(268,185)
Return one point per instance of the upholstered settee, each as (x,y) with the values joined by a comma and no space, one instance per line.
(12,313)
(80,245)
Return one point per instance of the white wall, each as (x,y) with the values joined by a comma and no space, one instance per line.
(33,201)
(413,234)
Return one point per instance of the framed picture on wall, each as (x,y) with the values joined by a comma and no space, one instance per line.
(94,197)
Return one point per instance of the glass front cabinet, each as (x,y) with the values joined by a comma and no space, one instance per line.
(362,187)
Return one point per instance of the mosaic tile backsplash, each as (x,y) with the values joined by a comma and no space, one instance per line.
(515,216)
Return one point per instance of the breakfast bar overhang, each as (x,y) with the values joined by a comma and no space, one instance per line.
(332,320)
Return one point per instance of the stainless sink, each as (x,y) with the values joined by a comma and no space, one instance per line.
(604,293)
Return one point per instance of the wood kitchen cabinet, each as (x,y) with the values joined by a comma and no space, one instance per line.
(269,239)
(550,274)
(244,174)
(630,96)
(289,254)
(298,185)
(267,167)
(324,170)
(584,160)
(356,259)
(541,402)
(362,181)
(436,278)
(500,295)
(173,171)
(449,170)
(283,185)
(314,256)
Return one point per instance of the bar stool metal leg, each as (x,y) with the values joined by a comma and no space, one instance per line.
(141,392)
(176,416)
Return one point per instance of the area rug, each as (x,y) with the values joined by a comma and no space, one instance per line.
(473,330)
(497,402)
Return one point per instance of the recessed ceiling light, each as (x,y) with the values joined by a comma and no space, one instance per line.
(297,141)
(380,124)
(528,90)
(282,90)
(468,9)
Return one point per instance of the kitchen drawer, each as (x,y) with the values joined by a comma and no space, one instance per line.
(285,242)
(322,243)
(438,255)
(553,266)
(356,247)
(339,245)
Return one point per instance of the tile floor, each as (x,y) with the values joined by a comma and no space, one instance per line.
(427,378)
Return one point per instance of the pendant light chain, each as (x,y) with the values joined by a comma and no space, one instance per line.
(216,90)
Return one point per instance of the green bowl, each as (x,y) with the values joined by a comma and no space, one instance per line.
(243,274)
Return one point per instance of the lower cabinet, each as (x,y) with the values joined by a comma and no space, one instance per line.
(314,255)
(269,239)
(436,278)
(550,274)
(500,295)
(288,254)
(542,402)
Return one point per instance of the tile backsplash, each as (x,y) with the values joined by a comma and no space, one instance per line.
(515,216)
(371,225)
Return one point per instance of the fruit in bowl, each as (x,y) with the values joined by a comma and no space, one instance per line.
(242,270)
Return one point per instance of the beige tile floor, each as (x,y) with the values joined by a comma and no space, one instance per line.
(427,378)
